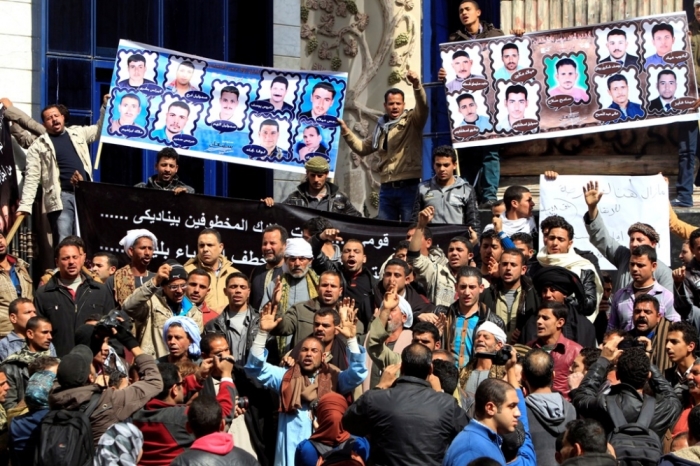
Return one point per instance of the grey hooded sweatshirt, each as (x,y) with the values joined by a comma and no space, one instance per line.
(548,414)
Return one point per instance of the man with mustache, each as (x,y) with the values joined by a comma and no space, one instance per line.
(510,56)
(58,160)
(642,267)
(138,246)
(651,327)
(176,118)
(278,89)
(512,296)
(297,284)
(300,320)
(273,246)
(617,46)
(490,338)
(301,386)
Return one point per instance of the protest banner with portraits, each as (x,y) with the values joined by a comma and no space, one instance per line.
(625,74)
(223,111)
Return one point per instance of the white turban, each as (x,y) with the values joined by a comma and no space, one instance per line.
(133,235)
(494,330)
(298,247)
(406,310)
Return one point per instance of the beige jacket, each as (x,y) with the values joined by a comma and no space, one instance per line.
(8,292)
(216,298)
(42,166)
(150,311)
(403,159)
(24,128)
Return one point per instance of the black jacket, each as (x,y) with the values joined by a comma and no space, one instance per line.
(362,293)
(407,424)
(590,403)
(588,281)
(54,302)
(235,457)
(335,200)
(526,307)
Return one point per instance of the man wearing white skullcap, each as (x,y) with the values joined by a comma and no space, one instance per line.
(139,246)
(298,282)
(490,338)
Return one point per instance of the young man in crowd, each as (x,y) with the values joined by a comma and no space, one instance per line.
(21,310)
(166,178)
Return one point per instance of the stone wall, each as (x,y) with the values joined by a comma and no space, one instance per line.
(20,77)
(375,42)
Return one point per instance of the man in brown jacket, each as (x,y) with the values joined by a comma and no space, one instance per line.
(77,379)
(398,140)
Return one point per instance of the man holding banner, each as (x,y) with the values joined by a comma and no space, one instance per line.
(59,159)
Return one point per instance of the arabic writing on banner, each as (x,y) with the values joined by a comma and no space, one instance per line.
(565,82)
(626,200)
(106,212)
(223,111)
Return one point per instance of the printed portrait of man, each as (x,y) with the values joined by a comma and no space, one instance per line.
(136,65)
(181,84)
(462,64)
(175,121)
(322,99)
(618,89)
(662,39)
(666,84)
(228,101)
(312,143)
(567,76)
(268,135)
(129,110)
(278,90)
(617,47)
(510,56)
(468,109)
(516,104)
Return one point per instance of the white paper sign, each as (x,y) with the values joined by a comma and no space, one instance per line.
(626,200)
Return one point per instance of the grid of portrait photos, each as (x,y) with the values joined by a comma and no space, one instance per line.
(564,82)
(223,111)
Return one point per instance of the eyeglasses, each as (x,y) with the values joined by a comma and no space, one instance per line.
(177,287)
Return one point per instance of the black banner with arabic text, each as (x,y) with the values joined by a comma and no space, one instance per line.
(106,212)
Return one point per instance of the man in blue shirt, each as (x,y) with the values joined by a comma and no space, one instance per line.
(497,408)
(510,56)
(619,91)
(467,107)
(662,35)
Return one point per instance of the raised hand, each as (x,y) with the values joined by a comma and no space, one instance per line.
(592,194)
(389,376)
(277,291)
(391,299)
(348,328)
(610,351)
(442,74)
(497,223)
(269,202)
(331,234)
(413,78)
(162,275)
(344,306)
(267,317)
(426,216)
(678,275)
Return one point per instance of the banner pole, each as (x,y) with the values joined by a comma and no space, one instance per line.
(15,227)
(99,153)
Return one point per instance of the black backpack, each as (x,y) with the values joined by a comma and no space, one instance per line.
(635,444)
(65,436)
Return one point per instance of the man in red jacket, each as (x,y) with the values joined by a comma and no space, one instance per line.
(163,419)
